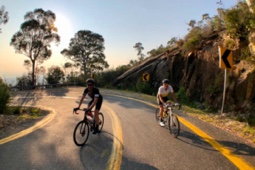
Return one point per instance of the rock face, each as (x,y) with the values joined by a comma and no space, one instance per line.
(199,74)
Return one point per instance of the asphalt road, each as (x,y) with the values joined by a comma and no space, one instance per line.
(131,139)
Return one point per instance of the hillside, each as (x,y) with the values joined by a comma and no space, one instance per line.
(199,77)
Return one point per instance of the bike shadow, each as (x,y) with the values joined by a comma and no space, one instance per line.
(101,148)
(236,148)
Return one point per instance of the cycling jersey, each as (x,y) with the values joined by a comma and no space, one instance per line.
(164,92)
(94,94)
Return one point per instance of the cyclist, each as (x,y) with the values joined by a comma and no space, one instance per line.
(162,98)
(97,100)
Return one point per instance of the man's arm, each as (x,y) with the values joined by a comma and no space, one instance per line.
(174,97)
(93,104)
(82,98)
(161,99)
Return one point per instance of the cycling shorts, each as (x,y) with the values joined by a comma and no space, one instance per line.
(98,104)
(164,99)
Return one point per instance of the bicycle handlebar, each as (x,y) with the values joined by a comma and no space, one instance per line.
(173,105)
(84,109)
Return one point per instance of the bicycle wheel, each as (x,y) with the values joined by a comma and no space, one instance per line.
(81,133)
(174,125)
(101,122)
(157,114)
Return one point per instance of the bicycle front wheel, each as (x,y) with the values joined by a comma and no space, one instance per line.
(174,125)
(157,116)
(101,122)
(81,133)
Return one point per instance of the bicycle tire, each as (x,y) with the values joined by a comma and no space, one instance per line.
(81,133)
(174,125)
(101,122)
(157,115)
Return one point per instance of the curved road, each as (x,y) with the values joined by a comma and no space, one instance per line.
(131,139)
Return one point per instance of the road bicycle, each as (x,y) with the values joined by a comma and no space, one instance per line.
(84,127)
(170,118)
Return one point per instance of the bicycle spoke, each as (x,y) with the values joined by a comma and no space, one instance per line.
(81,133)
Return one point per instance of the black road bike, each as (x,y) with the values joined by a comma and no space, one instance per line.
(84,127)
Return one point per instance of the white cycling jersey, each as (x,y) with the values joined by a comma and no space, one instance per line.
(165,91)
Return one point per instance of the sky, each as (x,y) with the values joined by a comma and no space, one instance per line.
(122,23)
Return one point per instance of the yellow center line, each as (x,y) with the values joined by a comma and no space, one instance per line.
(115,159)
(237,161)
(38,125)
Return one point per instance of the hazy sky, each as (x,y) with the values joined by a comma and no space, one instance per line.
(122,23)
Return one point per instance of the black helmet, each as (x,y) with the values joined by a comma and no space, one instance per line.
(166,81)
(90,80)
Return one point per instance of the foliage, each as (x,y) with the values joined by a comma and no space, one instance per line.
(181,96)
(54,75)
(239,21)
(35,37)
(4,96)
(24,81)
(86,49)
(144,87)
(161,49)
(4,16)
(193,39)
(106,78)
(139,47)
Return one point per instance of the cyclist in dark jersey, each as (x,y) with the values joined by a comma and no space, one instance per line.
(97,100)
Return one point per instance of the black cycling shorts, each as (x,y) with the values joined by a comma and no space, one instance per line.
(164,98)
(99,103)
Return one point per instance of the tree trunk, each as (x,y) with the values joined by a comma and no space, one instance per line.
(33,73)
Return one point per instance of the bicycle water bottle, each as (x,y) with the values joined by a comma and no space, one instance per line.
(164,111)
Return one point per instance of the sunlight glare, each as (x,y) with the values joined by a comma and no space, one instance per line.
(65,29)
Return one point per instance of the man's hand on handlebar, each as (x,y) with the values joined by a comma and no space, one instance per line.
(75,110)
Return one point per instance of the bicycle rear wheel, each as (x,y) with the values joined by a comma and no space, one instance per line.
(81,133)
(157,116)
(174,125)
(101,122)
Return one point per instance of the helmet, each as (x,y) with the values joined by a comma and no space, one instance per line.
(166,81)
(90,80)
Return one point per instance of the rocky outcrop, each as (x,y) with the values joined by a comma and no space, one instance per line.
(199,74)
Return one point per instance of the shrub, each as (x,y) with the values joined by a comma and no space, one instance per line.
(4,96)
(144,87)
(181,96)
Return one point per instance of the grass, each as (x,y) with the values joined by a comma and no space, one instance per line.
(24,113)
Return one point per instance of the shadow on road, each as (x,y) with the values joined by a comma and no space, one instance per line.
(235,147)
(33,96)
(96,153)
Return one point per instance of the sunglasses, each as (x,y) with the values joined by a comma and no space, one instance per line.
(90,84)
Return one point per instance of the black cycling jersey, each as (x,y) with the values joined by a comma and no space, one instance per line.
(94,94)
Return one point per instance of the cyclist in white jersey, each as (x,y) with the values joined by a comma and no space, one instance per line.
(162,98)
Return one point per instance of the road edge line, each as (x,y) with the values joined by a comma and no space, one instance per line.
(115,159)
(29,130)
(237,161)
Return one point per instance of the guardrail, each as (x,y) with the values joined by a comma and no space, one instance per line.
(19,88)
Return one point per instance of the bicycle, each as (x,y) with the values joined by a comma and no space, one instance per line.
(82,129)
(170,118)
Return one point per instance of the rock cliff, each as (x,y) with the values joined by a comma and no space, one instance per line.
(199,74)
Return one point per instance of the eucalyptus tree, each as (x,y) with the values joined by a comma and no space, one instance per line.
(139,47)
(4,16)
(87,50)
(35,37)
